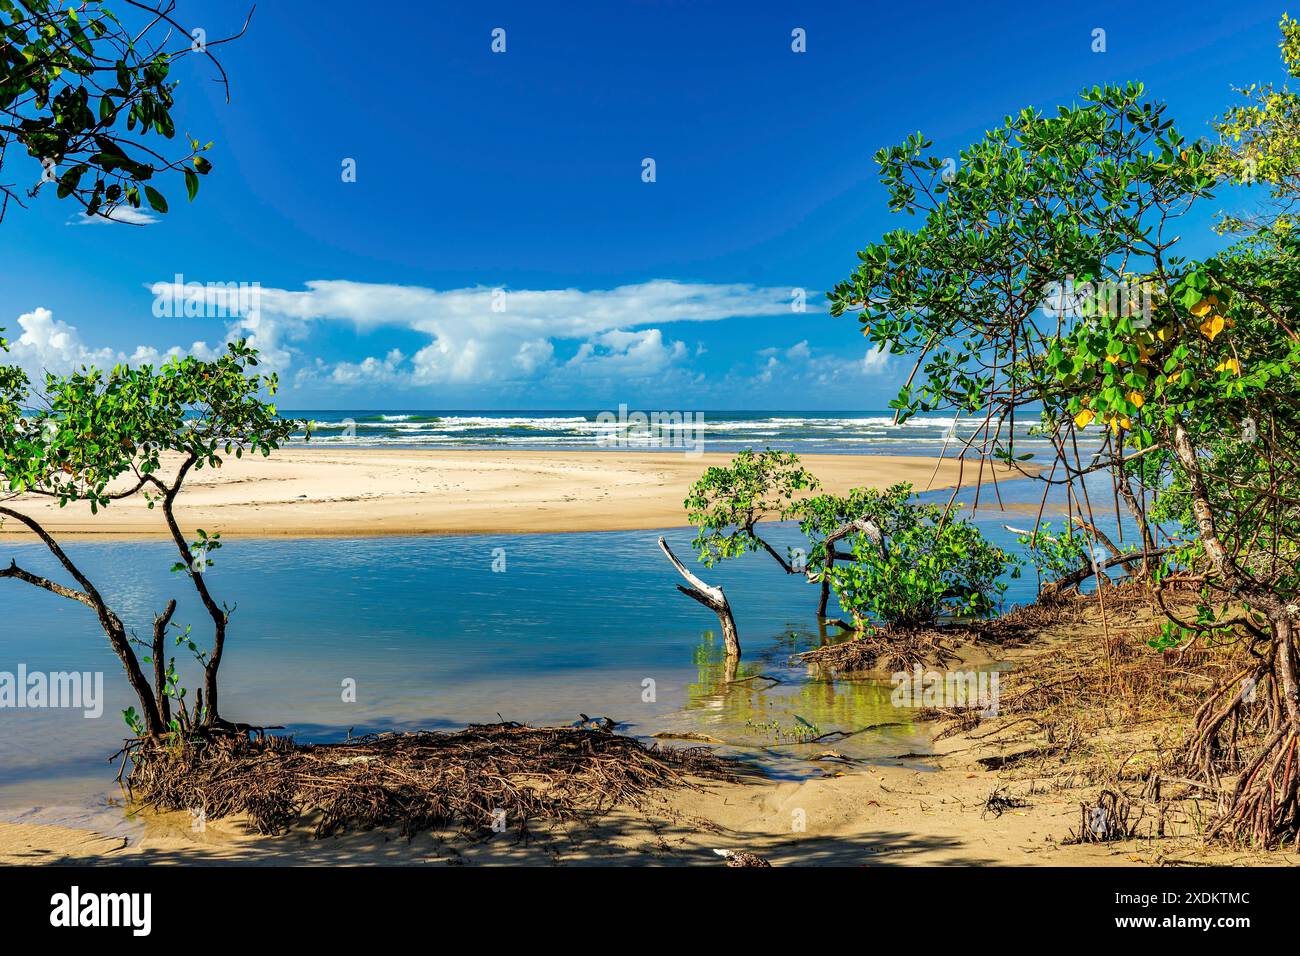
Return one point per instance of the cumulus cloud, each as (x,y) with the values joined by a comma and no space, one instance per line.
(485,335)
(475,336)
(629,355)
(803,366)
(876,360)
(370,371)
(47,344)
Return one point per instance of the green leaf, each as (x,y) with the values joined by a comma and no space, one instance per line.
(156,199)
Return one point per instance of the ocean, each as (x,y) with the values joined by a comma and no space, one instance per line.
(830,432)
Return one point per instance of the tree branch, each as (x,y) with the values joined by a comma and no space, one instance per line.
(711,597)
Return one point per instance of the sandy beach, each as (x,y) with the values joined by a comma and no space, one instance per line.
(928,811)
(864,816)
(320,492)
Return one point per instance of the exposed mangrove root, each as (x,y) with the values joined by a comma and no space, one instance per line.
(742,858)
(999,802)
(1263,806)
(1243,728)
(1106,821)
(891,649)
(499,776)
(1200,736)
(902,649)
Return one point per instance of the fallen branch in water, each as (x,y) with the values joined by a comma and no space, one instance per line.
(711,597)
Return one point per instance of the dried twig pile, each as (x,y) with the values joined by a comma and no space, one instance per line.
(884,649)
(999,802)
(1107,705)
(413,781)
(1103,707)
(1107,820)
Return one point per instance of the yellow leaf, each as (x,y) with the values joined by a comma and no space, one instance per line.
(1084,418)
(1136,398)
(1166,333)
(1229,365)
(1212,326)
(1112,359)
(1201,308)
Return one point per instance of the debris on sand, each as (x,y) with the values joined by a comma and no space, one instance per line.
(497,776)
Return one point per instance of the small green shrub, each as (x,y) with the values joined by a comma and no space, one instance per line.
(924,568)
(1055,554)
(727,502)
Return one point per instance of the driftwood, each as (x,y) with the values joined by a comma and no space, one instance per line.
(711,597)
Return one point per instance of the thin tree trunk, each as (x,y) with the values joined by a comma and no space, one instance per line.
(864,525)
(211,715)
(159,662)
(1263,804)
(109,621)
(1284,634)
(1236,583)
(1139,515)
(825,597)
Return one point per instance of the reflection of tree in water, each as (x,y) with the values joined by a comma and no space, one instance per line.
(736,694)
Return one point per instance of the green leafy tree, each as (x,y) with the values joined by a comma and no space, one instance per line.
(1067,557)
(1055,554)
(1259,143)
(89,97)
(886,559)
(727,504)
(1044,281)
(925,564)
(102,437)
(831,523)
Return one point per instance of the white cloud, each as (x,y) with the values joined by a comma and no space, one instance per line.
(876,360)
(802,366)
(47,344)
(627,355)
(477,336)
(482,335)
(122,214)
(799,352)
(370,371)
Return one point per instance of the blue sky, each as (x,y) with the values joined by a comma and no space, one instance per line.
(522,171)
